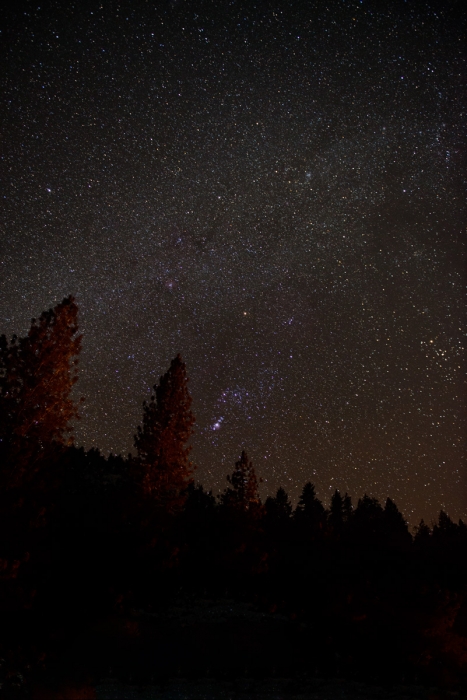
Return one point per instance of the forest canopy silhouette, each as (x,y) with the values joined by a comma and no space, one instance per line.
(85,538)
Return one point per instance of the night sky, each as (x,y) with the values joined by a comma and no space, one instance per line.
(273,190)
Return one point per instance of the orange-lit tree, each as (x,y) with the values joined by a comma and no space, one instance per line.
(162,467)
(36,407)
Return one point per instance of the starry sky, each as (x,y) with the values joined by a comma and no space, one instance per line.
(274,190)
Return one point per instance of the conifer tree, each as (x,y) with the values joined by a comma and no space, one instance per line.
(310,512)
(278,515)
(37,377)
(444,526)
(368,510)
(279,507)
(395,528)
(368,522)
(336,515)
(241,514)
(340,511)
(163,468)
(243,494)
(422,534)
(347,507)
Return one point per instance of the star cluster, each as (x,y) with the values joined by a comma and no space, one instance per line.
(274,190)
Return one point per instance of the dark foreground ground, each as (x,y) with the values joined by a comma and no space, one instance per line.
(266,689)
(242,689)
(204,650)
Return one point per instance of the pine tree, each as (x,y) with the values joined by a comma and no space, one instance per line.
(278,516)
(163,469)
(36,407)
(336,515)
(240,521)
(347,508)
(310,513)
(243,494)
(395,528)
(368,510)
(368,523)
(278,508)
(422,534)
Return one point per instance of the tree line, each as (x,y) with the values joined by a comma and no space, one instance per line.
(91,535)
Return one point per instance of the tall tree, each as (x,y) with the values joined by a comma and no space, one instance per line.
(243,494)
(163,468)
(336,515)
(278,508)
(310,514)
(278,516)
(36,406)
(240,520)
(368,522)
(340,511)
(395,528)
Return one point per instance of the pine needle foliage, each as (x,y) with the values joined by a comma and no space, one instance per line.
(37,378)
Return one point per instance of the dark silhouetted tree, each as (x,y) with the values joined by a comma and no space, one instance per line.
(336,514)
(162,466)
(278,515)
(310,513)
(340,514)
(422,535)
(445,528)
(240,518)
(279,507)
(243,494)
(395,528)
(347,508)
(367,521)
